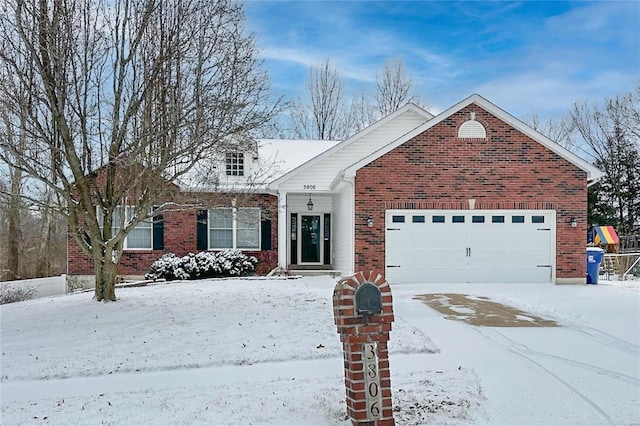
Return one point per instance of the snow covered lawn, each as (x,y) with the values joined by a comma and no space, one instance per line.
(259,351)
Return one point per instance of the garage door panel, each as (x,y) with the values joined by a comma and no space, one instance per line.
(488,246)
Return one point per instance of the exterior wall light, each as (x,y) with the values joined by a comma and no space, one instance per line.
(370,222)
(573,222)
(310,204)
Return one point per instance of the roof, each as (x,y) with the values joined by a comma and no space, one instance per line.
(338,146)
(275,158)
(289,154)
(593,173)
(605,235)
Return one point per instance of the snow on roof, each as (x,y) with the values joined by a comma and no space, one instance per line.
(288,154)
(276,157)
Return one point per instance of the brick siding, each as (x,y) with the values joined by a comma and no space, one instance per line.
(180,238)
(437,170)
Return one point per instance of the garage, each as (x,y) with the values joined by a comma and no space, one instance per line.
(466,246)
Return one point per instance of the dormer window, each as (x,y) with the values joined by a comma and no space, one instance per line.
(235,164)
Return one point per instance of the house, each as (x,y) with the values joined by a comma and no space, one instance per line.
(470,195)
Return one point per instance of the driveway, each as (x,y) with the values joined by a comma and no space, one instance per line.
(543,354)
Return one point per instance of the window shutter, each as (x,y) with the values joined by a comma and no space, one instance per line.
(87,238)
(265,234)
(158,232)
(201,230)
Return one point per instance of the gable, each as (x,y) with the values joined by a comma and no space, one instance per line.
(507,122)
(442,163)
(321,171)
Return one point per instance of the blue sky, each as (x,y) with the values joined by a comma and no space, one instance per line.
(523,56)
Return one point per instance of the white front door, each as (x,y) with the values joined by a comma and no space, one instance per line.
(458,246)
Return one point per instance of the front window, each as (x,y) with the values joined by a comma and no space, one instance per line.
(140,237)
(235,164)
(237,228)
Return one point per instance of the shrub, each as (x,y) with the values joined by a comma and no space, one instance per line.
(226,263)
(11,294)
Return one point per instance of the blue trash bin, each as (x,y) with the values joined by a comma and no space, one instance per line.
(594,259)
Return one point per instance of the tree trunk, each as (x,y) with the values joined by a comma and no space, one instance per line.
(43,265)
(15,231)
(106,273)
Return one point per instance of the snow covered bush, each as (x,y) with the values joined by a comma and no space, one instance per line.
(11,294)
(207,264)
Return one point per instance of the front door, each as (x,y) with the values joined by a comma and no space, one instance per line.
(310,248)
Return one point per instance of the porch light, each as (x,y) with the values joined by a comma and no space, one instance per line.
(310,204)
(573,222)
(370,222)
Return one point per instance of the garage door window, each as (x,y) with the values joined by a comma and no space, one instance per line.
(517,219)
(418,219)
(458,219)
(477,219)
(537,219)
(497,219)
(437,219)
(397,219)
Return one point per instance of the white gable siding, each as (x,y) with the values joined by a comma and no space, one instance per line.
(342,228)
(321,174)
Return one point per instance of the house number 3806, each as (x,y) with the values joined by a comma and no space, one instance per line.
(372,380)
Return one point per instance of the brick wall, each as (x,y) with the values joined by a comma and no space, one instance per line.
(507,170)
(180,238)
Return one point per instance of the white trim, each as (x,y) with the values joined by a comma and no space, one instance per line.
(592,172)
(409,107)
(283,235)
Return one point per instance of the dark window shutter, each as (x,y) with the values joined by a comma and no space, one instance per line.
(201,230)
(265,235)
(87,238)
(158,232)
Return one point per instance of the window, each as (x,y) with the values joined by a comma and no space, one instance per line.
(437,219)
(537,219)
(235,164)
(458,219)
(221,228)
(517,219)
(418,219)
(477,219)
(397,219)
(234,228)
(140,237)
(248,229)
(497,219)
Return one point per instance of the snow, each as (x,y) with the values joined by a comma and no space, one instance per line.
(266,351)
(289,154)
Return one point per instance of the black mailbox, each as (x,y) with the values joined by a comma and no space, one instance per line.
(368,300)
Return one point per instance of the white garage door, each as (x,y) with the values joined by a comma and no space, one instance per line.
(460,246)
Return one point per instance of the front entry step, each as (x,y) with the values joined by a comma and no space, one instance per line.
(309,271)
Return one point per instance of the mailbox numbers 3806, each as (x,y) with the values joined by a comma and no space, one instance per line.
(372,380)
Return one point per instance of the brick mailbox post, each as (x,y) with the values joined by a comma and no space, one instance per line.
(363,312)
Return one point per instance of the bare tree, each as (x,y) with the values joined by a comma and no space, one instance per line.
(559,130)
(394,88)
(610,136)
(126,98)
(325,115)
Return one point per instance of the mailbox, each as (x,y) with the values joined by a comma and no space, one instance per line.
(368,300)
